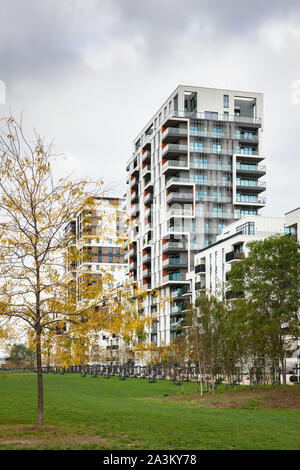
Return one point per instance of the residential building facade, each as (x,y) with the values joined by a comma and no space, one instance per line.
(213,263)
(196,167)
(99,234)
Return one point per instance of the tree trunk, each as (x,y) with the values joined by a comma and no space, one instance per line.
(283,368)
(40,413)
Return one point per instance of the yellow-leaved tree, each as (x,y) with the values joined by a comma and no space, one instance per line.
(37,293)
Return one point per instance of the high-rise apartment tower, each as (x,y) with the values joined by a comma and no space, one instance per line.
(196,167)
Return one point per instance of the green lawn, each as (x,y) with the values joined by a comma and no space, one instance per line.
(99,413)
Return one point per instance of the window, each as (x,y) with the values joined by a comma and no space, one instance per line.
(198,178)
(201,195)
(247,229)
(194,130)
(217,132)
(243,212)
(211,115)
(226,115)
(217,148)
(200,163)
(246,197)
(197,146)
(218,195)
(217,211)
(226,101)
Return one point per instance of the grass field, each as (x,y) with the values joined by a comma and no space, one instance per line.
(99,413)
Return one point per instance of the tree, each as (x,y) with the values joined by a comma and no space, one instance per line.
(36,292)
(20,354)
(269,277)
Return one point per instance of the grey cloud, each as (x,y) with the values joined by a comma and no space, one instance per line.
(91,73)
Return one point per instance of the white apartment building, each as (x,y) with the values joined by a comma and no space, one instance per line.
(196,167)
(99,233)
(214,262)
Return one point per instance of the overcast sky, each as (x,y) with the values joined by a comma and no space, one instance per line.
(91,73)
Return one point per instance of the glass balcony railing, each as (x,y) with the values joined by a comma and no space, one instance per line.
(251,200)
(174,163)
(174,131)
(178,245)
(174,148)
(180,212)
(175,277)
(245,167)
(203,166)
(179,196)
(214,116)
(245,151)
(180,260)
(250,183)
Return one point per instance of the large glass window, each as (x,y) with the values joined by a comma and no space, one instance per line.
(217,148)
(226,101)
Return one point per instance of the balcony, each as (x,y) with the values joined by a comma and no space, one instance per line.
(209,150)
(213,199)
(250,120)
(175,262)
(245,137)
(175,293)
(199,286)
(176,309)
(175,325)
(146,156)
(174,246)
(146,273)
(179,228)
(258,201)
(180,213)
(246,151)
(258,170)
(147,258)
(219,215)
(174,165)
(177,196)
(253,186)
(132,253)
(134,210)
(147,286)
(234,255)
(148,198)
(174,278)
(133,181)
(132,265)
(146,169)
(172,133)
(179,181)
(201,166)
(133,196)
(148,185)
(212,135)
(174,149)
(200,268)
